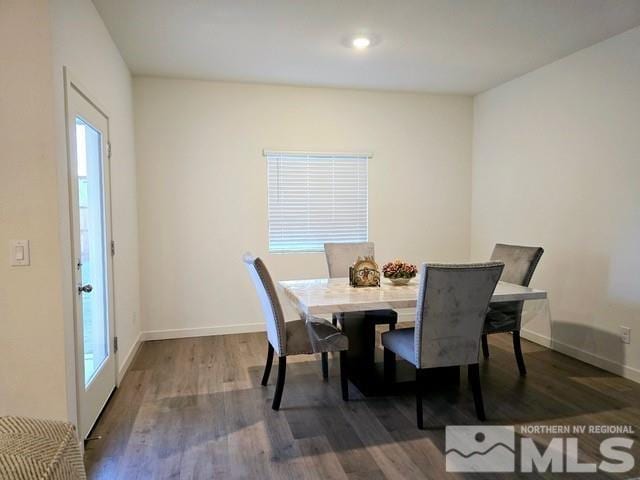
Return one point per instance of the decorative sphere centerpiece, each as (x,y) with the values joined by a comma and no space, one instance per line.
(399,272)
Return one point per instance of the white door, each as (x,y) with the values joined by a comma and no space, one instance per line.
(92,269)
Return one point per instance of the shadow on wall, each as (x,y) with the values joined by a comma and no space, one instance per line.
(586,342)
(596,346)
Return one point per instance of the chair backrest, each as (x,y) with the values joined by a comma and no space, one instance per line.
(452,303)
(340,256)
(269,301)
(519,262)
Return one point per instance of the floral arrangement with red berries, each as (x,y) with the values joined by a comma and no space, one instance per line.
(399,269)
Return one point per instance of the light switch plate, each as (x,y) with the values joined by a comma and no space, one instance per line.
(20,254)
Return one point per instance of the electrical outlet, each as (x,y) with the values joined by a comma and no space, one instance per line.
(625,334)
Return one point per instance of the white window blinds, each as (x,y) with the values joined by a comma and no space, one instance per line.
(316,198)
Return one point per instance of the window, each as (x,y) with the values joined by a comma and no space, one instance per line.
(316,198)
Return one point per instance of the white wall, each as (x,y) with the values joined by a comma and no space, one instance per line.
(37,39)
(82,43)
(202,187)
(32,356)
(556,162)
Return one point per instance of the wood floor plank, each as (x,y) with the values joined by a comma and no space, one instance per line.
(194,409)
(116,425)
(390,457)
(206,445)
(320,460)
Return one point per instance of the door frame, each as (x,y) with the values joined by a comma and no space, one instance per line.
(71,83)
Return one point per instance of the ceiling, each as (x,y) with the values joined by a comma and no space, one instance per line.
(448,46)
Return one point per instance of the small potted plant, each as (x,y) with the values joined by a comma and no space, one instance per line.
(399,272)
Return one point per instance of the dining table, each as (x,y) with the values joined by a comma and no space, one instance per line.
(321,296)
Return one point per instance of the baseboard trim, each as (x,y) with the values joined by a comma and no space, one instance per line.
(582,355)
(202,331)
(536,337)
(126,363)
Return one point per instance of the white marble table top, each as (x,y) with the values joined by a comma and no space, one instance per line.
(334,295)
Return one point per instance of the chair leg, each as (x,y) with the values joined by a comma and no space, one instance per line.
(282,371)
(474,379)
(518,351)
(418,388)
(389,366)
(267,367)
(392,327)
(485,346)
(334,320)
(344,379)
(325,365)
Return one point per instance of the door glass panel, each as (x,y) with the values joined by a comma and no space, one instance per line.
(92,265)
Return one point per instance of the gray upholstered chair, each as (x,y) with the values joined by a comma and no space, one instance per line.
(452,304)
(339,257)
(297,337)
(519,264)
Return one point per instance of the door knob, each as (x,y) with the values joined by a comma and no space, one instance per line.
(85,288)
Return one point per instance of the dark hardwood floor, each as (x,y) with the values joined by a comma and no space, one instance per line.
(194,408)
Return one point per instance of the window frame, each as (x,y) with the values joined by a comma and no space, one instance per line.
(270,154)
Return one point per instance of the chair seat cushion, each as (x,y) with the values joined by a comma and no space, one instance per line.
(315,335)
(325,337)
(297,338)
(379,317)
(500,320)
(401,342)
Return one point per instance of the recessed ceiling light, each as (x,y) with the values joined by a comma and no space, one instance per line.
(360,43)
(361,40)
